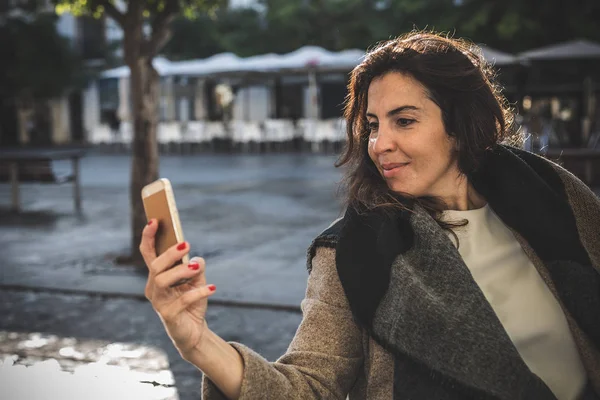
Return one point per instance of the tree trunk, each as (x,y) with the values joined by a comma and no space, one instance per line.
(144,81)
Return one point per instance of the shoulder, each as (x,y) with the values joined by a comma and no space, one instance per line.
(332,232)
(328,239)
(547,170)
(554,175)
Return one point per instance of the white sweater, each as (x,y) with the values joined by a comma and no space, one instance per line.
(525,306)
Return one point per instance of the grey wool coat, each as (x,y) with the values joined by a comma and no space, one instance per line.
(431,334)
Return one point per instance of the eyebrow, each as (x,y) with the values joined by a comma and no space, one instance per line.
(395,111)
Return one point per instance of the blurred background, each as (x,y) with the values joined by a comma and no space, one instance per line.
(239,103)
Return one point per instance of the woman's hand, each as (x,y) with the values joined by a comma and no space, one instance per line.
(181,308)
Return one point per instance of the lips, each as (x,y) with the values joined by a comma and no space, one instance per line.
(390,166)
(391,169)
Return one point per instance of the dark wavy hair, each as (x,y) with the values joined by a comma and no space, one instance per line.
(456,77)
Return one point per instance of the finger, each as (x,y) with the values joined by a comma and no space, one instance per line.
(149,289)
(147,248)
(194,269)
(196,280)
(169,258)
(170,312)
(200,279)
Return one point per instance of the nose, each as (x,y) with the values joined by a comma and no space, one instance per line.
(383,141)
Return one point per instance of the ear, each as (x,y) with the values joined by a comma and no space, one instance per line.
(454,141)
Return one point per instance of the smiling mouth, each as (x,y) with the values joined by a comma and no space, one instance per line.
(390,170)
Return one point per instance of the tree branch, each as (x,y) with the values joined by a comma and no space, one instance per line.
(111,11)
(160,28)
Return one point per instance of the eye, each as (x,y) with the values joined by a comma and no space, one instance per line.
(373,126)
(404,121)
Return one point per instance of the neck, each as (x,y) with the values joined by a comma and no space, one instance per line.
(462,196)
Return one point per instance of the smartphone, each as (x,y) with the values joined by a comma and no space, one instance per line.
(159,203)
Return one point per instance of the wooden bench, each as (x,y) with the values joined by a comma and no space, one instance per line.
(36,166)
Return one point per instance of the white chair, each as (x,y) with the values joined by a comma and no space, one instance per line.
(194,135)
(307,129)
(279,131)
(253,132)
(193,131)
(271,130)
(238,128)
(216,134)
(169,135)
(333,133)
(286,130)
(339,126)
(214,130)
(246,132)
(101,134)
(324,131)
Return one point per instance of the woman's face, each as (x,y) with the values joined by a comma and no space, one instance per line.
(407,141)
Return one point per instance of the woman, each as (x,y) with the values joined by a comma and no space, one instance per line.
(462,268)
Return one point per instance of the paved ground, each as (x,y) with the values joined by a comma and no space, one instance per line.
(252,217)
(127,320)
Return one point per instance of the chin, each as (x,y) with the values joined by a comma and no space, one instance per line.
(404,190)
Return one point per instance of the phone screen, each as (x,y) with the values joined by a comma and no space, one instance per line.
(157,206)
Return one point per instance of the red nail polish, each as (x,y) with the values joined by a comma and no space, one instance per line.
(194,266)
(181,246)
(150,222)
(212,288)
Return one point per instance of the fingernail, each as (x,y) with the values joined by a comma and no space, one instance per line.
(150,222)
(181,246)
(194,266)
(212,288)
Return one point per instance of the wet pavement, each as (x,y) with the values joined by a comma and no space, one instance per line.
(78,368)
(134,321)
(251,216)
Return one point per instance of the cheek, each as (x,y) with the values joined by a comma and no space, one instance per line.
(438,151)
(436,165)
(430,162)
